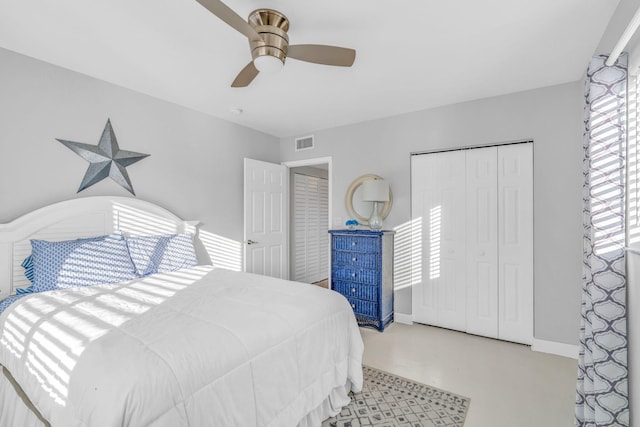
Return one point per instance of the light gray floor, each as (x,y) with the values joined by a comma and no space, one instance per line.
(509,385)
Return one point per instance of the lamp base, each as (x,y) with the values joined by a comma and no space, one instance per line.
(375,222)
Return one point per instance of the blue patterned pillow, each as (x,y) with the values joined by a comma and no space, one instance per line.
(82,262)
(21,291)
(27,264)
(162,254)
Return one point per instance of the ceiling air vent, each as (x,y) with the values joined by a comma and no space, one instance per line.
(304,143)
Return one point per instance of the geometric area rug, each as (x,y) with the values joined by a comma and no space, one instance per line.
(387,400)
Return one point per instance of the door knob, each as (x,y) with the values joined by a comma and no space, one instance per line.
(251,242)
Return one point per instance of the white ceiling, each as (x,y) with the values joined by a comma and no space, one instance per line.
(411,54)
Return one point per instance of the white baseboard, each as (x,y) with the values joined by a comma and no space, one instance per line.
(557,348)
(406,319)
(542,346)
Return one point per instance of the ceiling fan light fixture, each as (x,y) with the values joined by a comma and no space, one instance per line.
(268,64)
(266,32)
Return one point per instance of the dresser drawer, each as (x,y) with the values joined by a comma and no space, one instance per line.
(358,275)
(363,244)
(356,290)
(363,308)
(356,259)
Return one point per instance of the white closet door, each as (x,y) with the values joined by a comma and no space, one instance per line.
(482,241)
(438,204)
(310,236)
(515,242)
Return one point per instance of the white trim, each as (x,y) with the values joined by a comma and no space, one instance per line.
(557,348)
(311,162)
(626,36)
(405,319)
(308,162)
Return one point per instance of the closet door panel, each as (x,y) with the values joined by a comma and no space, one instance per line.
(482,241)
(451,214)
(310,226)
(438,202)
(515,243)
(425,253)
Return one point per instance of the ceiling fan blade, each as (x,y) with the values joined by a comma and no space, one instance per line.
(246,76)
(231,18)
(321,54)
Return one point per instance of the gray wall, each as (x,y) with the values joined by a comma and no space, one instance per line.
(195,167)
(550,116)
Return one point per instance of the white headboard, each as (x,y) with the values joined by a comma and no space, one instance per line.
(77,218)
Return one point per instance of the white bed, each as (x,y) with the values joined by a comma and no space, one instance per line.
(202,346)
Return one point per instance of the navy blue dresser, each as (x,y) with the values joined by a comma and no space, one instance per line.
(362,271)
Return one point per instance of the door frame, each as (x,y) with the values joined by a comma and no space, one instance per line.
(312,162)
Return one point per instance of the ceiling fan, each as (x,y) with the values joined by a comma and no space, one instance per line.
(266,30)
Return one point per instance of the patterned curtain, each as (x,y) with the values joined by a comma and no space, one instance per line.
(602,388)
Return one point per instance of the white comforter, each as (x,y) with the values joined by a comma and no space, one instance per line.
(198,347)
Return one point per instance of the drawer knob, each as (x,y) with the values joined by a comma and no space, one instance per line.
(353,243)
(353,306)
(354,259)
(353,274)
(353,290)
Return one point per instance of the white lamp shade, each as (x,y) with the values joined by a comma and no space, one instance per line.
(375,190)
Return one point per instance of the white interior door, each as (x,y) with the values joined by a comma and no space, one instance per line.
(266,189)
(438,203)
(515,242)
(482,241)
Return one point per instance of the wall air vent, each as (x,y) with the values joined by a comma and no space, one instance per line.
(304,143)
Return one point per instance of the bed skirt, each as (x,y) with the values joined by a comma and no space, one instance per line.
(12,396)
(24,414)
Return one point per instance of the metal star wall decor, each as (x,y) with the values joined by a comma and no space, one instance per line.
(105,160)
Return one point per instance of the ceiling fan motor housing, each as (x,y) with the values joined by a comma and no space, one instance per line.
(272,27)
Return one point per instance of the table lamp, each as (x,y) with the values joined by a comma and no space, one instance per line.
(376,191)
